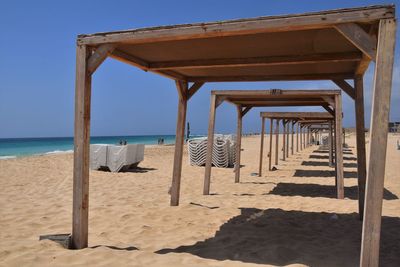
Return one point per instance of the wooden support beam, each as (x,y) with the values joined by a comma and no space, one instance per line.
(339,147)
(80,207)
(245,110)
(378,143)
(99,55)
(284,140)
(144,65)
(261,147)
(238,143)
(287,138)
(359,38)
(270,144)
(328,99)
(330,136)
(194,88)
(285,77)
(347,88)
(316,20)
(182,88)
(129,59)
(301,137)
(219,101)
(292,147)
(362,66)
(329,109)
(276,142)
(360,136)
(297,137)
(257,61)
(210,144)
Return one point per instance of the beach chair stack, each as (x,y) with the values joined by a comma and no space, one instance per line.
(114,157)
(223,151)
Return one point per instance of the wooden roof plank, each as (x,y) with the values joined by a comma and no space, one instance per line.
(243,26)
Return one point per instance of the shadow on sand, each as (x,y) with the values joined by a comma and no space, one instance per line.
(130,248)
(322,173)
(316,190)
(279,237)
(348,152)
(325,163)
(327,157)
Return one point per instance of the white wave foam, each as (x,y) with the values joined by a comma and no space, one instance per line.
(8,157)
(58,152)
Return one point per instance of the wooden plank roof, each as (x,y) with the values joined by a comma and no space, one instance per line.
(309,46)
(301,116)
(277,97)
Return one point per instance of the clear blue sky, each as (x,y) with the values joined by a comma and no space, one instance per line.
(37,67)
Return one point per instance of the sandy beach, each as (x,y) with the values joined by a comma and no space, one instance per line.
(286,217)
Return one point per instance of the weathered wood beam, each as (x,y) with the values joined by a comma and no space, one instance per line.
(210,145)
(179,142)
(129,59)
(257,61)
(360,138)
(294,77)
(80,206)
(339,147)
(99,55)
(347,88)
(276,142)
(378,143)
(245,110)
(181,87)
(271,129)
(362,66)
(329,109)
(359,38)
(329,100)
(143,65)
(243,26)
(238,142)
(261,147)
(194,88)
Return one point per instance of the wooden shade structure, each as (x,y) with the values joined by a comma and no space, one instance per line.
(299,118)
(244,100)
(330,45)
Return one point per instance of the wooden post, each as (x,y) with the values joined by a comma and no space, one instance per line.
(292,147)
(182,88)
(301,137)
(360,135)
(339,147)
(378,143)
(261,146)
(238,142)
(287,138)
(80,206)
(210,144)
(270,144)
(297,137)
(284,140)
(277,142)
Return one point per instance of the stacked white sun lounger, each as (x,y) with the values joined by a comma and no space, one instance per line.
(223,151)
(115,157)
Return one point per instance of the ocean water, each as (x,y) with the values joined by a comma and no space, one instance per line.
(17,147)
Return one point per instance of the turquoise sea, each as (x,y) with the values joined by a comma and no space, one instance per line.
(17,147)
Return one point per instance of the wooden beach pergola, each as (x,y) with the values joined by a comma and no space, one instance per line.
(244,100)
(293,118)
(330,45)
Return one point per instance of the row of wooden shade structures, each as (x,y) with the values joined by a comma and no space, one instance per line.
(330,45)
(244,100)
(312,122)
